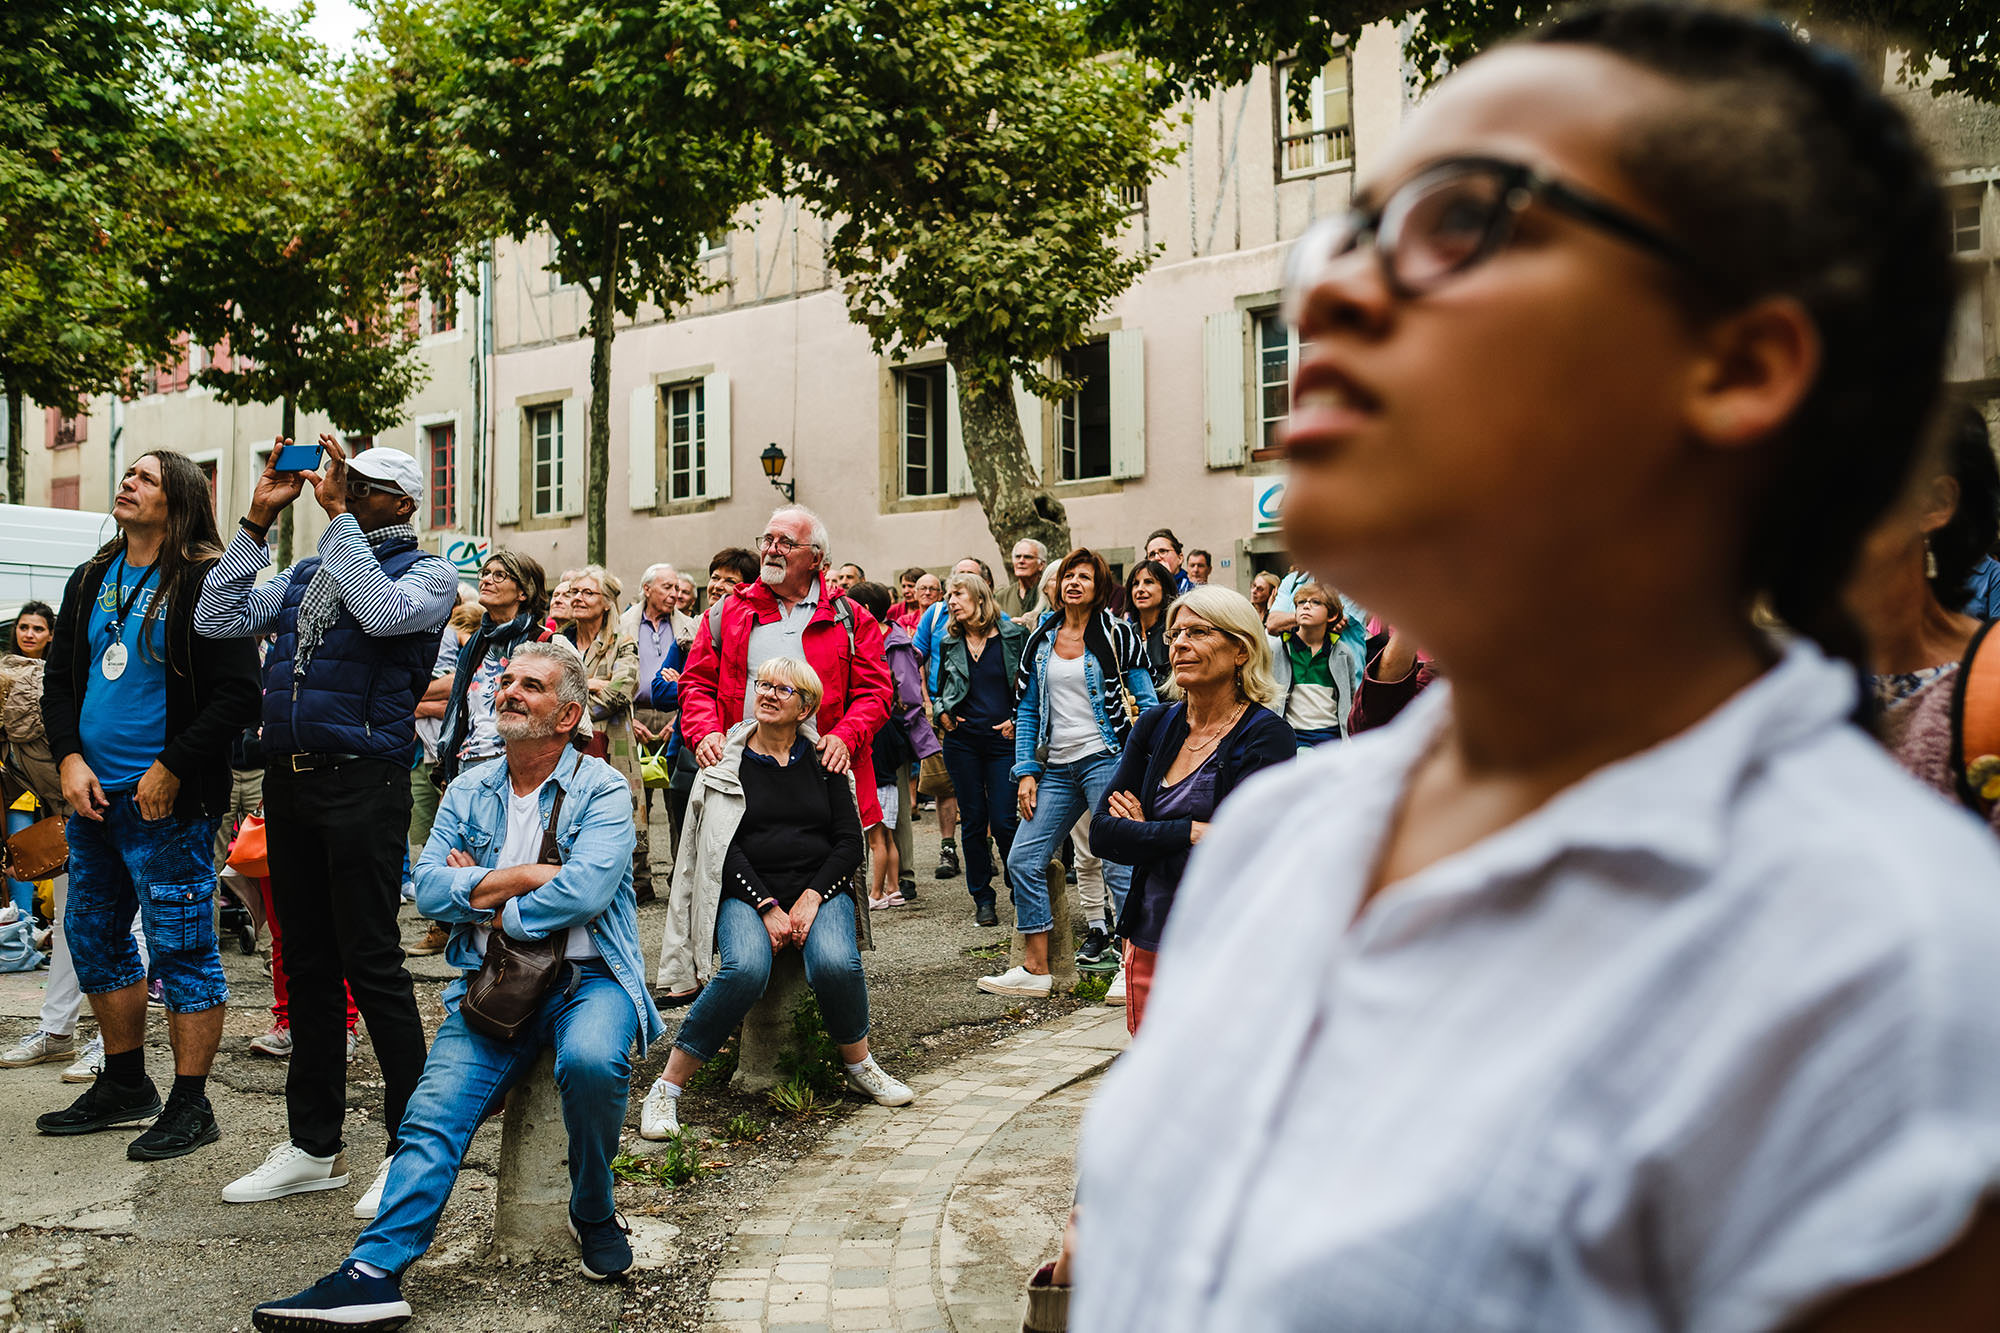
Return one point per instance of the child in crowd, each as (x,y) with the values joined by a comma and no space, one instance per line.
(1318,666)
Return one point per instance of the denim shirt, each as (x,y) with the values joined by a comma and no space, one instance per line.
(1032,722)
(594,886)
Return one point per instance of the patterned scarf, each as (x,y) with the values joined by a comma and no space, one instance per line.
(321,605)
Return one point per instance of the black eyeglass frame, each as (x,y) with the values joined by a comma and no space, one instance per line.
(1520,186)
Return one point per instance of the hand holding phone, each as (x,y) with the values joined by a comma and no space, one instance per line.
(290,457)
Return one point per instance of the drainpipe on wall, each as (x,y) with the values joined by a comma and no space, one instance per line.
(482,359)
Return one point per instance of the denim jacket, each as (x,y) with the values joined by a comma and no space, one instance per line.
(1107,637)
(594,886)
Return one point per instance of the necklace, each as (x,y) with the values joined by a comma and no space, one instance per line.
(1196,747)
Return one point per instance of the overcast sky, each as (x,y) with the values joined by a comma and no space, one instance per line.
(336,24)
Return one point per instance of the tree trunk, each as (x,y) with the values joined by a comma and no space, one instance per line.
(1016,503)
(597,464)
(17,450)
(288,428)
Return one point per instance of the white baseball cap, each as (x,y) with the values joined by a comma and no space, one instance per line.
(392,466)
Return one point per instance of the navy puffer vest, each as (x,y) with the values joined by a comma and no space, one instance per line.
(360,693)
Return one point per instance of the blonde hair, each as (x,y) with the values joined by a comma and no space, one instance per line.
(797,674)
(985,611)
(607,582)
(1230,611)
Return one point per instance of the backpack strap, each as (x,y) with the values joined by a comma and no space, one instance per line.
(1975,723)
(715,624)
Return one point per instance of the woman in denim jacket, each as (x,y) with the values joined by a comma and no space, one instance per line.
(1083,680)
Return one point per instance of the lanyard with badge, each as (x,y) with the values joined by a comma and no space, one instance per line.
(117,655)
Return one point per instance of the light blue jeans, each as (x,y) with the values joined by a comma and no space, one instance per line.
(1063,794)
(20,891)
(833,970)
(592,1026)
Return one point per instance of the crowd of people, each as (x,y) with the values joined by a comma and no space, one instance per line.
(1625,987)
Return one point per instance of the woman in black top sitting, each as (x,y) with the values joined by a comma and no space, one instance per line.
(980,655)
(772,863)
(1183,760)
(1149,599)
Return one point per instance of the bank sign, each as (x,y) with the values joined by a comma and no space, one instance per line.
(467,554)
(1267,504)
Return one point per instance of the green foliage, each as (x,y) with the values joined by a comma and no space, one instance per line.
(717,1072)
(1091,987)
(992,952)
(797,1098)
(677,1162)
(743,1128)
(811,1059)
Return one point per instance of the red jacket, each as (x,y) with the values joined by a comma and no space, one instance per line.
(855,674)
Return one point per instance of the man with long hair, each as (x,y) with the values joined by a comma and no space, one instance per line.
(140,718)
(357,639)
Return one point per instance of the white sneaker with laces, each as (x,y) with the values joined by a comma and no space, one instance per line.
(1115,996)
(88,1065)
(289,1169)
(1018,981)
(370,1202)
(875,1082)
(659,1115)
(38,1048)
(277,1043)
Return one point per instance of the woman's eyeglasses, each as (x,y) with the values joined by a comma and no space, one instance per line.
(1450,218)
(775,690)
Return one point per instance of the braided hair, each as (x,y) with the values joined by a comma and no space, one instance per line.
(1786,172)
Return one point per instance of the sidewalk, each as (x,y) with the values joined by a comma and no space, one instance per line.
(932,1216)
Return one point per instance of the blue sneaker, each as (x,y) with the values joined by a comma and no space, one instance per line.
(346,1298)
(606,1252)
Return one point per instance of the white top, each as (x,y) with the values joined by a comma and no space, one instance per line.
(783,637)
(524,847)
(1708,1038)
(1073,729)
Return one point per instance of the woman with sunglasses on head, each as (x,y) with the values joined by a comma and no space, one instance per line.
(1648,995)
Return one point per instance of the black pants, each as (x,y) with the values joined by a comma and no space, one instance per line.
(336,843)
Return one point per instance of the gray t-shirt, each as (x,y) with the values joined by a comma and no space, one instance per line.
(783,637)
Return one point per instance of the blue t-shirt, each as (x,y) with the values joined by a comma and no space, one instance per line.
(122,724)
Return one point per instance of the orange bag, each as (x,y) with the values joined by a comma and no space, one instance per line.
(250,854)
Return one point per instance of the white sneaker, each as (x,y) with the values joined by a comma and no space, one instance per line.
(1018,981)
(289,1169)
(88,1065)
(1115,996)
(277,1043)
(38,1048)
(370,1202)
(660,1115)
(871,1080)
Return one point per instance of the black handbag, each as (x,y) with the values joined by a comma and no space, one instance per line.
(507,991)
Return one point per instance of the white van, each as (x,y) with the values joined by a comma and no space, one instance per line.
(39,550)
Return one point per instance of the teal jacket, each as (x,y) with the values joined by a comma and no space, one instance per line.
(955,664)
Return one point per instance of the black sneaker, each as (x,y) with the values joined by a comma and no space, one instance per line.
(948,861)
(1095,943)
(606,1252)
(187,1123)
(346,1299)
(105,1105)
(985,914)
(906,884)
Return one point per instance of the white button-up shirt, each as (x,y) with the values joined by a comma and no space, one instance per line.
(1711,1036)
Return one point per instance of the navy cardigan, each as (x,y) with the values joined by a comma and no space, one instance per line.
(1157,849)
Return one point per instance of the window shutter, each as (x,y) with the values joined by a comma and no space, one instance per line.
(1222,345)
(641,448)
(575,420)
(715,435)
(1128,403)
(507,471)
(957,466)
(1029,408)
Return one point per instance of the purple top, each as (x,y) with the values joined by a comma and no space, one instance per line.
(654,641)
(907,691)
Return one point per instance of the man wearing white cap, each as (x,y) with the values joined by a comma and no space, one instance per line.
(356,637)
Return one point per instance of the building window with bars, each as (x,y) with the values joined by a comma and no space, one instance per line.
(1323,138)
(441,442)
(1277,360)
(687,441)
(923,414)
(545,460)
(1083,419)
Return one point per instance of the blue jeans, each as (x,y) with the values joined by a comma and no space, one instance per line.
(592,1025)
(833,970)
(1062,796)
(20,891)
(981,764)
(162,870)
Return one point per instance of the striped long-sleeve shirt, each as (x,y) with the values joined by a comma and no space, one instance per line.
(232,606)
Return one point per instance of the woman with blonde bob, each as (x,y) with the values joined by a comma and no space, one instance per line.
(1184,758)
(766,864)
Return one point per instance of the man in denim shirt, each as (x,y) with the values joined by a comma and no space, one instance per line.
(479,872)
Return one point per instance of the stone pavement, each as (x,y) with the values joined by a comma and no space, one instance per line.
(932,1216)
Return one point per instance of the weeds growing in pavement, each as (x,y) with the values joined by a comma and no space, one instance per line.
(1091,989)
(717,1072)
(812,1059)
(743,1128)
(798,1098)
(676,1163)
(996,953)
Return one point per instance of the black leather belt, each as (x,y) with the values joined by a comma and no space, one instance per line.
(306,763)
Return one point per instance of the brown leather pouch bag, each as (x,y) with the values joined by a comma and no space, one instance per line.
(39,850)
(507,991)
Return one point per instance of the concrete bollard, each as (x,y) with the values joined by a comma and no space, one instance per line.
(767,1028)
(1062,935)
(531,1206)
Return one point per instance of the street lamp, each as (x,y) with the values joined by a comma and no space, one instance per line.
(773,459)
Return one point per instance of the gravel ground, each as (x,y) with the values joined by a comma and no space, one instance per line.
(183,1260)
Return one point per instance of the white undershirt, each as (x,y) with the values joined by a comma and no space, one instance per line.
(524,847)
(1073,729)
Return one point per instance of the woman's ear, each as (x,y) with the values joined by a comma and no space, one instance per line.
(1939,503)
(1758,365)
